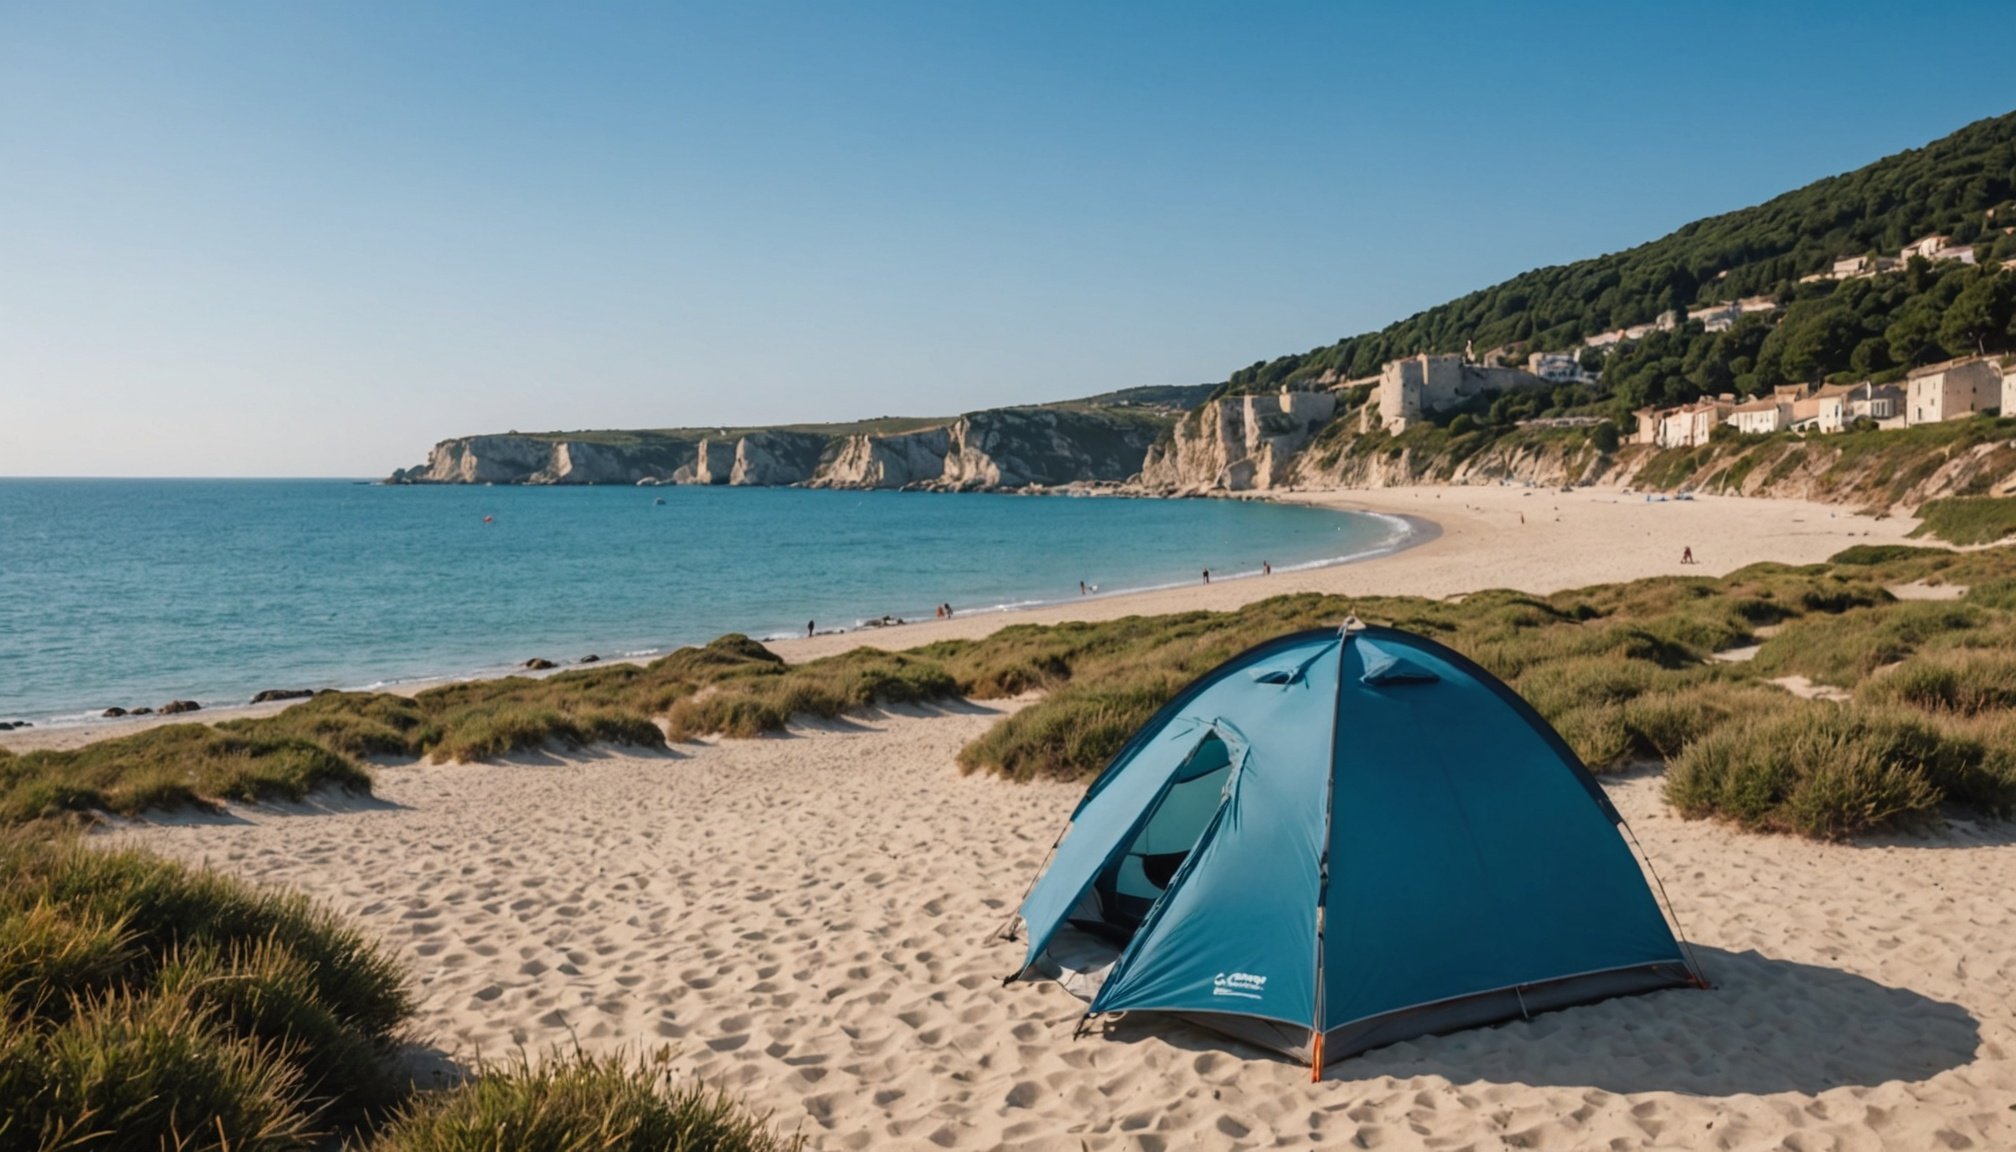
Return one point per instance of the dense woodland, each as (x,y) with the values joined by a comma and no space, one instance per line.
(1963,186)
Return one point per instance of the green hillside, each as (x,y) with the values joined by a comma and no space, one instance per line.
(1963,186)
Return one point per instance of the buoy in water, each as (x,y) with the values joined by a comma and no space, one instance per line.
(487,520)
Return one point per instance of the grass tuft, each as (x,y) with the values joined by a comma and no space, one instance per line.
(580,1102)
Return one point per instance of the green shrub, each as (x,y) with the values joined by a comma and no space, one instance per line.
(1845,649)
(1965,681)
(1968,519)
(1662,724)
(580,1103)
(1829,772)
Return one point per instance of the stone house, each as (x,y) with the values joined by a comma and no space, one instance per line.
(1417,386)
(1927,246)
(1950,391)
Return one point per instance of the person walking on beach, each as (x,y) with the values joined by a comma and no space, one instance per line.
(1207,575)
(1687,554)
(1081,588)
(1266,569)
(808,629)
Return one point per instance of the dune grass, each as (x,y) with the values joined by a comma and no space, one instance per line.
(579,1102)
(1968,519)
(169,767)
(144,1004)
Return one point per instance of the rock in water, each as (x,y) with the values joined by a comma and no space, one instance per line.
(590,658)
(141,712)
(177,707)
(113,713)
(272,694)
(539,664)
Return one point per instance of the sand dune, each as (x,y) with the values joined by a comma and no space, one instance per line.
(809,920)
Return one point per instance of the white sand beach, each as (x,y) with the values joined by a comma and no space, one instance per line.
(809,920)
(1531,539)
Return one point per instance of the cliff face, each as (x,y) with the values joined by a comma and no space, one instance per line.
(514,459)
(776,459)
(1238,443)
(994,449)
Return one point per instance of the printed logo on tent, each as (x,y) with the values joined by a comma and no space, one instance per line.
(1244,985)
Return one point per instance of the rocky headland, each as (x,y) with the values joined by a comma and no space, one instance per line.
(1044,446)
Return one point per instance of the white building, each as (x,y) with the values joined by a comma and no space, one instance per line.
(1690,425)
(1558,367)
(1951,391)
(1760,417)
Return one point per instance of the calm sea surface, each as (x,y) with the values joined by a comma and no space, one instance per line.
(133,592)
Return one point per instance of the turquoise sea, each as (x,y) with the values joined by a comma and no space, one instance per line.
(135,592)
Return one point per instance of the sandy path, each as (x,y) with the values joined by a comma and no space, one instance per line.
(1532,539)
(808,920)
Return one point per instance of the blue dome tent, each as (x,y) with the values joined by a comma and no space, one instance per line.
(1340,839)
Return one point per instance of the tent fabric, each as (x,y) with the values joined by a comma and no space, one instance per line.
(1360,836)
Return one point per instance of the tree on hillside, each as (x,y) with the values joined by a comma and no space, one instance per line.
(1978,319)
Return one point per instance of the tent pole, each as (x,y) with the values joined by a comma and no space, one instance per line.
(1007,931)
(1344,631)
(1679,930)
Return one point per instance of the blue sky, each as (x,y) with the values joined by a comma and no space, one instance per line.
(311,239)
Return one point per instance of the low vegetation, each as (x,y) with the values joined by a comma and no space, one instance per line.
(144,1005)
(1968,519)
(168,767)
(1623,671)
(607,1104)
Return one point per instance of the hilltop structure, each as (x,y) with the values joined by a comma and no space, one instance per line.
(1418,386)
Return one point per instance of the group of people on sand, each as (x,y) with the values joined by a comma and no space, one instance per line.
(944,611)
